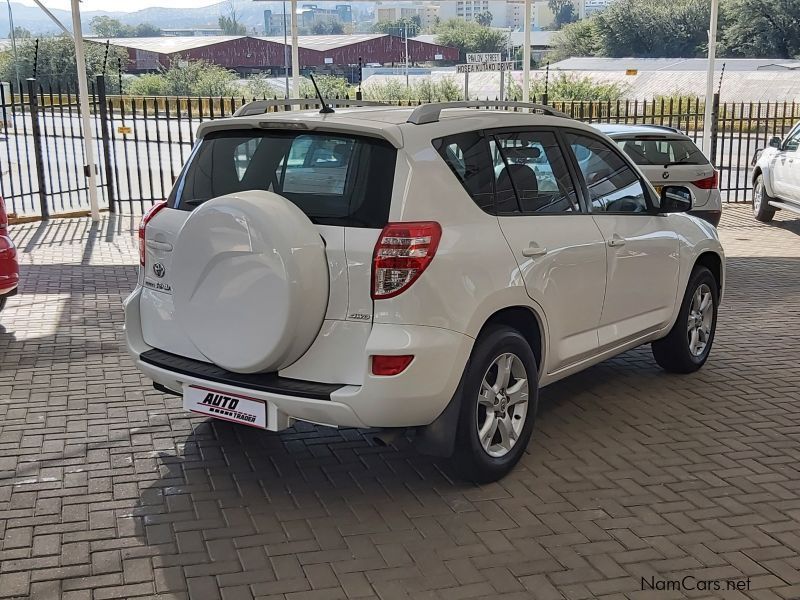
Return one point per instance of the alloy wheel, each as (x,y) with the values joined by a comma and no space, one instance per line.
(502,405)
(701,318)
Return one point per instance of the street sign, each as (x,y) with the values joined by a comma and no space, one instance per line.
(484,57)
(482,67)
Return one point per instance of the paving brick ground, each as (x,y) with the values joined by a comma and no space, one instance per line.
(108,490)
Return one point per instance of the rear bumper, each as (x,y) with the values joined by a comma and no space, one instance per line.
(9,268)
(711,216)
(413,398)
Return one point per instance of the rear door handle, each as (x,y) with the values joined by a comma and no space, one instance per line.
(156,245)
(616,241)
(534,250)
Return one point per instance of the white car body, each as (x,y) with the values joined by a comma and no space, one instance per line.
(586,286)
(665,169)
(779,169)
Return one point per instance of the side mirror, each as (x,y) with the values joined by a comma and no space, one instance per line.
(675,199)
(775,142)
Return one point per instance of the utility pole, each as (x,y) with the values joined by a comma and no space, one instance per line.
(712,54)
(405,29)
(13,37)
(83,93)
(295,54)
(285,50)
(526,54)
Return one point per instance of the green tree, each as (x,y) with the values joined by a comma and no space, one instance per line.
(56,61)
(329,27)
(146,30)
(108,27)
(329,86)
(230,26)
(563,12)
(484,18)
(399,27)
(20,33)
(569,88)
(469,37)
(187,78)
(653,28)
(761,28)
(645,28)
(575,39)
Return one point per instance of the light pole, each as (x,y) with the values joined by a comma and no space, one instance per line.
(13,37)
(285,51)
(712,53)
(295,54)
(83,93)
(526,54)
(405,35)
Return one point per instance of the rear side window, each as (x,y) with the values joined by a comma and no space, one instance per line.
(654,151)
(334,179)
(467,155)
(531,174)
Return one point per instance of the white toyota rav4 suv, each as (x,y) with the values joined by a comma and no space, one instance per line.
(422,269)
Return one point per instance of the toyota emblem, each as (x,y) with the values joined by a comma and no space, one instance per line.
(159,270)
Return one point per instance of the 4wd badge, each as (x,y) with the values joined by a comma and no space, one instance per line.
(159,270)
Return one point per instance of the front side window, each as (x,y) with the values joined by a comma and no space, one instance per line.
(612,184)
(531,174)
(792,141)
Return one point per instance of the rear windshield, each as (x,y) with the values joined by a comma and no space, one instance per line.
(334,179)
(645,151)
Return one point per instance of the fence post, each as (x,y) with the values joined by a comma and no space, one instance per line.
(103,106)
(714,130)
(36,132)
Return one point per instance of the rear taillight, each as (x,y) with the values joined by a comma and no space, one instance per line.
(148,216)
(709,183)
(3,217)
(402,253)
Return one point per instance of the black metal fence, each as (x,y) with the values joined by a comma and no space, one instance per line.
(142,142)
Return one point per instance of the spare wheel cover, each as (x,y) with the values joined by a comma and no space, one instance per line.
(250,281)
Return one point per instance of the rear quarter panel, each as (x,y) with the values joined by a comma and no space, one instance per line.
(473,273)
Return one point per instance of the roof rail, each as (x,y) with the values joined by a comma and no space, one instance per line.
(259,107)
(429,113)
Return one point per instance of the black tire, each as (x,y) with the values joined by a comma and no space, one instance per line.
(673,352)
(471,460)
(761,209)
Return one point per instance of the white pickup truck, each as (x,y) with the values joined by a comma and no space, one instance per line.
(776,177)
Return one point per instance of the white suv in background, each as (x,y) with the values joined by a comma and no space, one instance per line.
(668,157)
(421,269)
(776,177)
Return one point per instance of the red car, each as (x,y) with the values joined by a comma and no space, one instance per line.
(9,269)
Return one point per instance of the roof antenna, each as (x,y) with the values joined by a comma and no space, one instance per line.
(325,110)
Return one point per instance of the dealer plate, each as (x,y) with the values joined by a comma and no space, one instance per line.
(225,406)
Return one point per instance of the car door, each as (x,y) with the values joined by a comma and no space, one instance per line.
(782,163)
(786,169)
(642,248)
(558,247)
